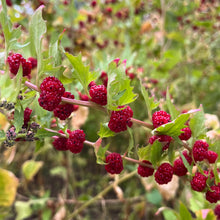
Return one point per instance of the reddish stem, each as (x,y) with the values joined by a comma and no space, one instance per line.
(142,123)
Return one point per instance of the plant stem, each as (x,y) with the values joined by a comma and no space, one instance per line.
(142,123)
(101,194)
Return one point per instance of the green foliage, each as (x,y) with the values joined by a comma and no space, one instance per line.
(197,124)
(37,28)
(172,110)
(42,133)
(184,212)
(150,103)
(144,152)
(119,90)
(154,197)
(8,187)
(100,154)
(186,164)
(81,72)
(156,152)
(18,117)
(30,168)
(172,128)
(105,131)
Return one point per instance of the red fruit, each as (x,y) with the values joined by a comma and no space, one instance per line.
(198,182)
(145,171)
(114,163)
(49,100)
(213,196)
(188,157)
(186,135)
(60,143)
(159,118)
(92,83)
(93,4)
(63,111)
(75,141)
(9,3)
(165,139)
(33,62)
(83,97)
(179,167)
(14,62)
(200,150)
(98,94)
(27,114)
(217,211)
(104,78)
(26,66)
(52,84)
(119,120)
(212,156)
(164,173)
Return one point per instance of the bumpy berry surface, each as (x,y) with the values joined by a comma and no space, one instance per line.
(83,97)
(114,163)
(75,141)
(27,115)
(51,93)
(179,167)
(198,182)
(119,120)
(33,62)
(188,157)
(164,173)
(104,78)
(26,66)
(213,196)
(217,211)
(200,150)
(145,171)
(53,85)
(212,156)
(63,111)
(49,100)
(98,94)
(60,143)
(14,62)
(159,118)
(186,135)
(161,138)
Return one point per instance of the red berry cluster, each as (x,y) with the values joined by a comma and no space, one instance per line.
(164,139)
(119,120)
(98,94)
(51,92)
(159,118)
(114,163)
(74,143)
(63,111)
(14,62)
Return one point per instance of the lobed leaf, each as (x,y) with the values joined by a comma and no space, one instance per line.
(30,168)
(105,131)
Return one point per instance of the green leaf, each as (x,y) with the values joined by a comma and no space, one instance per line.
(23,210)
(18,117)
(144,152)
(156,152)
(8,187)
(154,197)
(81,72)
(105,131)
(131,142)
(197,124)
(172,110)
(2,134)
(37,28)
(119,90)
(186,164)
(39,145)
(184,212)
(100,154)
(30,168)
(42,133)
(59,171)
(170,214)
(197,201)
(172,128)
(151,105)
